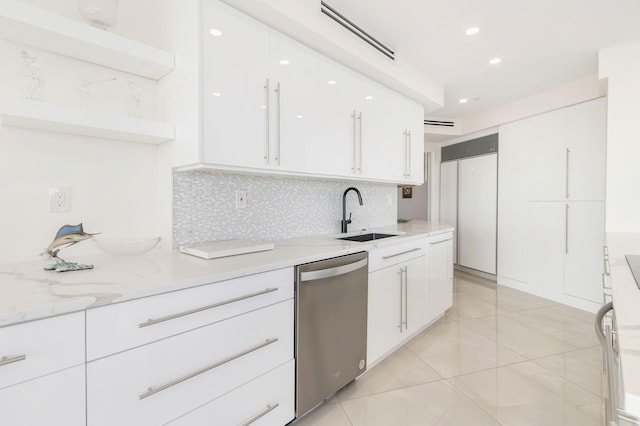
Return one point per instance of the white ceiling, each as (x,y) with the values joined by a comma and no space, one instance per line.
(542,43)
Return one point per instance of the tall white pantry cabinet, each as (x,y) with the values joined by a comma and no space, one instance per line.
(551,192)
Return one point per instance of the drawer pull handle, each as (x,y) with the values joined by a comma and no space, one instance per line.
(204,308)
(10,360)
(267,410)
(440,242)
(400,254)
(152,390)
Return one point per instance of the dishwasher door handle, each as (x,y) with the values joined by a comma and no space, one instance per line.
(333,272)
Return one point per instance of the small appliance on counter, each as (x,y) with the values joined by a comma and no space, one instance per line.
(216,249)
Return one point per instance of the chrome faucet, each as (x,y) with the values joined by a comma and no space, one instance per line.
(346,221)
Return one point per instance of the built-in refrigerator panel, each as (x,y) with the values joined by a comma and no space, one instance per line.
(449,199)
(477,212)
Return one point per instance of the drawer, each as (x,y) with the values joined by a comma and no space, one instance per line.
(188,370)
(57,399)
(397,253)
(40,347)
(267,400)
(122,326)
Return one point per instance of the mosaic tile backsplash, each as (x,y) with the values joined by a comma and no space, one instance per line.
(277,207)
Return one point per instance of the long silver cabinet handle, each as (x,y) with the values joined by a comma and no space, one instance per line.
(567,177)
(10,360)
(401,275)
(607,268)
(267,156)
(605,251)
(409,156)
(355,149)
(406,152)
(278,91)
(270,408)
(566,229)
(359,166)
(204,308)
(400,254)
(440,242)
(152,390)
(333,272)
(406,297)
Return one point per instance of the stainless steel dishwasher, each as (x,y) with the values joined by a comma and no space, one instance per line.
(331,327)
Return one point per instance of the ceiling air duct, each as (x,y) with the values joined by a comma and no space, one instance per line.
(439,123)
(348,24)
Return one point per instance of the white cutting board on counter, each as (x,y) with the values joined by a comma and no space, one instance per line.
(226,248)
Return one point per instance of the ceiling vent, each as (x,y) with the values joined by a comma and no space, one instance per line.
(439,123)
(348,24)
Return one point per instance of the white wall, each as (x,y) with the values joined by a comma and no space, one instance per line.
(574,92)
(621,65)
(116,187)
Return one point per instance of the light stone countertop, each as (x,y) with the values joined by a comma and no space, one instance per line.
(28,292)
(626,304)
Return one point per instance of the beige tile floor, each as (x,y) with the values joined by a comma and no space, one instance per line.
(498,357)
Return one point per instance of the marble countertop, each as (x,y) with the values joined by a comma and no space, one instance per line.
(27,292)
(626,303)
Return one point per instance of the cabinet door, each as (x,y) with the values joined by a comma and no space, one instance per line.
(449,199)
(514,170)
(513,240)
(415,296)
(294,105)
(586,142)
(547,156)
(382,135)
(235,68)
(585,238)
(57,399)
(547,247)
(339,92)
(477,212)
(439,275)
(414,119)
(385,313)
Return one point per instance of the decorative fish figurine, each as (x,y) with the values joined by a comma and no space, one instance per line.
(67,236)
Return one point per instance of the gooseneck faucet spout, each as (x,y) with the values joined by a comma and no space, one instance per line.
(346,221)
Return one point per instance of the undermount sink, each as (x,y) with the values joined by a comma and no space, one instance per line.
(367,237)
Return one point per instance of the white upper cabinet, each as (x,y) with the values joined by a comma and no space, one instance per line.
(341,95)
(555,156)
(367,130)
(294,105)
(235,72)
(546,156)
(586,144)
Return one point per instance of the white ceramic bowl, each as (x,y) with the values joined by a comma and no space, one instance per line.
(125,246)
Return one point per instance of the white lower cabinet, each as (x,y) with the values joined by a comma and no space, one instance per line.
(57,399)
(397,303)
(161,381)
(267,400)
(439,275)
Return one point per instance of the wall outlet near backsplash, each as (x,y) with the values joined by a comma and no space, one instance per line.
(205,209)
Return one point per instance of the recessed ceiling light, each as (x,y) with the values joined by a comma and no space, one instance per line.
(215,32)
(472,31)
(298,116)
(263,107)
(495,61)
(216,94)
(463,100)
(284,62)
(369,97)
(331,82)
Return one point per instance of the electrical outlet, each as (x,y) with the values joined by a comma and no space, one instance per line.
(241,199)
(59,199)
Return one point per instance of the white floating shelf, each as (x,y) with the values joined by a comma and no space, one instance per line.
(35,27)
(38,115)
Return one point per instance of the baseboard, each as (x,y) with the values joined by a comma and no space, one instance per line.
(471,271)
(565,299)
